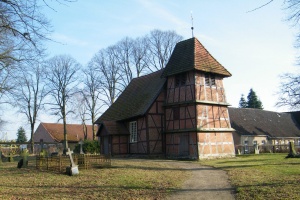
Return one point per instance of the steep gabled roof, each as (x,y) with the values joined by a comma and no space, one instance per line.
(74,131)
(136,99)
(248,121)
(113,128)
(191,54)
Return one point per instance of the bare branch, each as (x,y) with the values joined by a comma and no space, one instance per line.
(260,6)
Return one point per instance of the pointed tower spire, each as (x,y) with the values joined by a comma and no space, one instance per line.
(190,54)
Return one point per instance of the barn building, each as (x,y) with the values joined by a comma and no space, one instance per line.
(271,131)
(178,112)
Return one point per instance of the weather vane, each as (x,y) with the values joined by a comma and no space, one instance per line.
(192,24)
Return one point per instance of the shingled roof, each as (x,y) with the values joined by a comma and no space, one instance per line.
(74,131)
(248,121)
(191,54)
(113,128)
(136,99)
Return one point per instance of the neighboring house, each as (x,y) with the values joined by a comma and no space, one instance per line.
(53,132)
(179,111)
(264,128)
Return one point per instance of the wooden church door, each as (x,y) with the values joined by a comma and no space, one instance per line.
(183,145)
(106,145)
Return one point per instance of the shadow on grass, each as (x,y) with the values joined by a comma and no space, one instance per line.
(273,184)
(65,190)
(200,168)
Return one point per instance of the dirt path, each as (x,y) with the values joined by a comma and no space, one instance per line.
(205,183)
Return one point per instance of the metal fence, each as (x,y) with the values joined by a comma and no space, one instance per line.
(15,149)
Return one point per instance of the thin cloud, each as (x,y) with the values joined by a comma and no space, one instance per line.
(161,12)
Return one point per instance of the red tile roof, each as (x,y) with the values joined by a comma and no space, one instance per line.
(191,54)
(74,131)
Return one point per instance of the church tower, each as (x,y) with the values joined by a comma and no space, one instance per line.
(197,123)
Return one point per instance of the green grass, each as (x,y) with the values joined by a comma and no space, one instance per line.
(264,176)
(126,179)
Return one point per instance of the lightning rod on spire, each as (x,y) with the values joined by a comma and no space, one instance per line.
(192,24)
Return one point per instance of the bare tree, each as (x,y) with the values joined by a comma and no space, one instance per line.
(6,83)
(28,94)
(289,91)
(161,45)
(92,94)
(23,28)
(61,77)
(81,111)
(105,63)
(139,55)
(123,53)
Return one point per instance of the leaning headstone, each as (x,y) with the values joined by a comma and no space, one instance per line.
(81,143)
(73,169)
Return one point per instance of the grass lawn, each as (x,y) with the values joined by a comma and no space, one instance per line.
(264,176)
(126,179)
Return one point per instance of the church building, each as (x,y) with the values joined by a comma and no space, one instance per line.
(177,112)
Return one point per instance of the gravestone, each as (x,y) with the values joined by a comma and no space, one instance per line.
(256,150)
(10,158)
(73,169)
(81,143)
(24,161)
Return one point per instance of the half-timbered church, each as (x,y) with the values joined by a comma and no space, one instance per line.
(177,112)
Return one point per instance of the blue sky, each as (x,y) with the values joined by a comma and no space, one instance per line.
(256,47)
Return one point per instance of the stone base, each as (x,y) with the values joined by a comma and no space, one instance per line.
(71,171)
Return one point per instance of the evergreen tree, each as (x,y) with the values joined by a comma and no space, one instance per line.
(243,103)
(21,135)
(253,101)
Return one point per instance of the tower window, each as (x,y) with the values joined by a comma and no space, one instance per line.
(210,80)
(180,79)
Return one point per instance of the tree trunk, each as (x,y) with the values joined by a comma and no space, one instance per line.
(32,140)
(65,136)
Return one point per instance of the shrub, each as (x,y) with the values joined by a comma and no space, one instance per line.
(89,146)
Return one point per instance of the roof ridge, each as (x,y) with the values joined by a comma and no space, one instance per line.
(257,109)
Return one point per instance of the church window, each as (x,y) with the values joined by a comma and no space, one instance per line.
(133,131)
